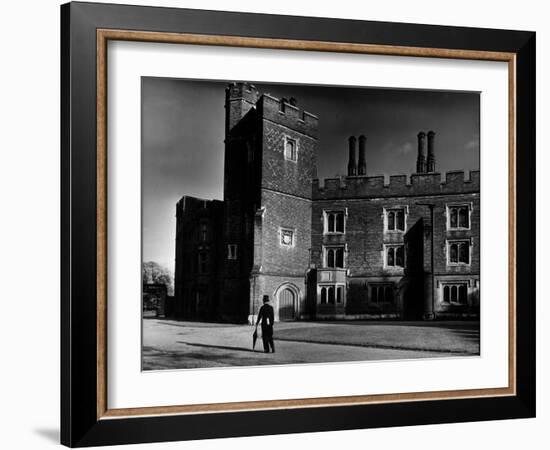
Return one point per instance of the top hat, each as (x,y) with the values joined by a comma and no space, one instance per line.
(265,298)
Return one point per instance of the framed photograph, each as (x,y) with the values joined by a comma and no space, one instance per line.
(276,224)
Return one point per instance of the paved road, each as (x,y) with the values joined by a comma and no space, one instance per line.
(169,344)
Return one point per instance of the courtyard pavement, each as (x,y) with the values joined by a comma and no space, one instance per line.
(171,344)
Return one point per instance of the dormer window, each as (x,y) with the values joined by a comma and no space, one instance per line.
(291,149)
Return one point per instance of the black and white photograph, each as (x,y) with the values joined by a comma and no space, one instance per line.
(275,225)
(295,224)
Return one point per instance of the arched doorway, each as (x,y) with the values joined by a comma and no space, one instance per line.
(287,302)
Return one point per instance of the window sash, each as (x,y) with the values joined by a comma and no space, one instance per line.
(455,293)
(399,256)
(395,219)
(331,297)
(331,223)
(459,252)
(391,220)
(453,253)
(400,220)
(340,258)
(332,294)
(382,293)
(464,253)
(463,218)
(335,222)
(395,256)
(463,294)
(391,256)
(459,217)
(335,258)
(454,218)
(330,258)
(231,251)
(290,149)
(339,294)
(204,232)
(339,222)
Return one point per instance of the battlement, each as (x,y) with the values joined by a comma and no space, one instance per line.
(455,182)
(189,205)
(242,90)
(283,112)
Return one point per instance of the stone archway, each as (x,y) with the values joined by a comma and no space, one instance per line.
(287,302)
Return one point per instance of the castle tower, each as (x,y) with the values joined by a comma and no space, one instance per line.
(362,166)
(352,165)
(241,197)
(431,152)
(421,159)
(282,229)
(270,162)
(239,99)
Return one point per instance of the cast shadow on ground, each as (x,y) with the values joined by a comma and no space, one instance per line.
(222,347)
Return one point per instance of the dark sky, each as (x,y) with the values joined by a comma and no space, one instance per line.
(183,132)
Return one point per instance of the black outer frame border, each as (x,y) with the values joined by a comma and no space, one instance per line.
(79,425)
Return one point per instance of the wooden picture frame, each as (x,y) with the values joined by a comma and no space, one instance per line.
(86,418)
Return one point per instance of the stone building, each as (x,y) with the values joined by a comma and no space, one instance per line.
(351,247)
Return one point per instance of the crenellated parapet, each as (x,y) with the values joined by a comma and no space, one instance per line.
(240,98)
(454,182)
(194,206)
(286,112)
(242,90)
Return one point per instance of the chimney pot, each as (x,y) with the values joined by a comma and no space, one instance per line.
(362,165)
(421,159)
(352,165)
(431,152)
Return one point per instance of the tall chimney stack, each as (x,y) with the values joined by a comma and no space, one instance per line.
(431,152)
(352,166)
(421,159)
(362,165)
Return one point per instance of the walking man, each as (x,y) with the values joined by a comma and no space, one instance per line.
(266,317)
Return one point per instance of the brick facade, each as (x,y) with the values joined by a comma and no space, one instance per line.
(198,256)
(350,247)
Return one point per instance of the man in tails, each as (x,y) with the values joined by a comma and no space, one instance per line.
(266,317)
